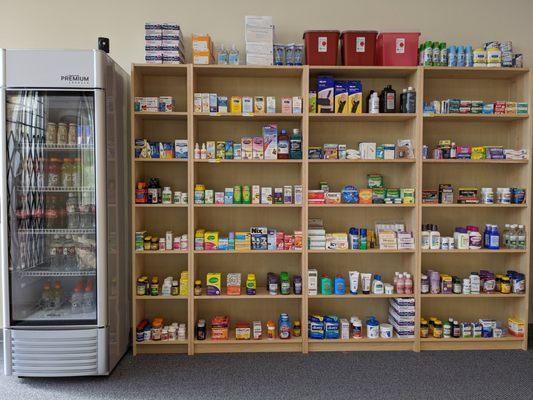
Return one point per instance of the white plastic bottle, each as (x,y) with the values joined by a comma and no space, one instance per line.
(377,285)
(203,152)
(233,57)
(374,104)
(425,238)
(434,238)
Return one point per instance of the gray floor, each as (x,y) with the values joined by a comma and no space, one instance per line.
(377,375)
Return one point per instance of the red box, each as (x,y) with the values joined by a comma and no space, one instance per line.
(321,47)
(358,47)
(397,48)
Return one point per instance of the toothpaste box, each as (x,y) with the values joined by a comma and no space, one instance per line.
(270,141)
(325,95)
(247,104)
(247,148)
(180,148)
(257,148)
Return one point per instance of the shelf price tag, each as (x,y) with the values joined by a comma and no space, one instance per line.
(247,114)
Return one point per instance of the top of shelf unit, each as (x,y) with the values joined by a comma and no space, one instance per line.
(251,71)
(473,72)
(161,69)
(342,71)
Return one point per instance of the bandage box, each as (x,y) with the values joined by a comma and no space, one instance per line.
(341,97)
(180,148)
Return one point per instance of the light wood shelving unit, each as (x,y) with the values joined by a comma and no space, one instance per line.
(431,83)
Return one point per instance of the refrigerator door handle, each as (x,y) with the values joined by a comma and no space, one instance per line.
(101,205)
(4,263)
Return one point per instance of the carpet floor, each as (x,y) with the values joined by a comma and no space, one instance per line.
(367,375)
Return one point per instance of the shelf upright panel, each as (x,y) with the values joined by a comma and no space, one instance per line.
(190,212)
(305,214)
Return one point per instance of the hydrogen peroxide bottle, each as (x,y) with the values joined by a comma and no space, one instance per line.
(387,101)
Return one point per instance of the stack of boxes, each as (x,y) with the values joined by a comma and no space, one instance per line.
(163,43)
(402,316)
(202,49)
(316,234)
(259,37)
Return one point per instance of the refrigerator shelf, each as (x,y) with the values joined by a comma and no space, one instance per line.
(63,313)
(47,189)
(57,231)
(57,147)
(44,273)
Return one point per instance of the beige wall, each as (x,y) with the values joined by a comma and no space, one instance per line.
(77,24)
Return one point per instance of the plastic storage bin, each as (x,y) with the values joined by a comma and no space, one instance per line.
(321,47)
(397,48)
(358,47)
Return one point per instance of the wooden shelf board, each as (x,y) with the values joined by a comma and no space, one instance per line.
(248,205)
(502,339)
(474,296)
(161,69)
(246,117)
(342,205)
(152,298)
(480,205)
(342,71)
(395,161)
(473,73)
(168,252)
(359,296)
(160,115)
(232,340)
(475,117)
(162,343)
(480,251)
(261,293)
(178,160)
(369,251)
(220,161)
(248,71)
(247,251)
(486,161)
(161,205)
(332,117)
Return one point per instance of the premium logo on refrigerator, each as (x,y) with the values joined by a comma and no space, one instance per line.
(75,79)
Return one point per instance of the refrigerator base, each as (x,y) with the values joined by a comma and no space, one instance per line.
(55,353)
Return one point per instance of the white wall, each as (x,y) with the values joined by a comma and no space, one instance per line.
(77,24)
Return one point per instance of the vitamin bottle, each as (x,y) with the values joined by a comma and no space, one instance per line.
(494,238)
(425,238)
(513,237)
(283,145)
(434,238)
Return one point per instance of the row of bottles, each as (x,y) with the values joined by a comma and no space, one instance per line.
(228,56)
(82,299)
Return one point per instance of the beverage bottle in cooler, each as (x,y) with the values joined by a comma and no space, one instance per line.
(73,213)
(52,212)
(57,296)
(75,172)
(88,298)
(76,300)
(521,237)
(66,173)
(46,297)
(87,170)
(72,134)
(69,253)
(55,252)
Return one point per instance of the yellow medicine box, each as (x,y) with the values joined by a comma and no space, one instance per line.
(236,104)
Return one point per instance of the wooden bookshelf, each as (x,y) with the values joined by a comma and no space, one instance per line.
(431,83)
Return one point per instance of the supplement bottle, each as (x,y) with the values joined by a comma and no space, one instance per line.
(434,238)
(425,238)
(521,237)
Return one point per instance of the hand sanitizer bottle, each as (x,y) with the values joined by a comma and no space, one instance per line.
(234,55)
(222,55)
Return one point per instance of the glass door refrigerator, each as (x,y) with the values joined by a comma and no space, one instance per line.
(64,193)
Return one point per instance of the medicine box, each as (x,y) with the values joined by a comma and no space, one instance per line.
(257,148)
(205,102)
(213,102)
(180,148)
(247,104)
(256,194)
(233,283)
(266,195)
(228,196)
(325,94)
(286,105)
(259,104)
(259,238)
(296,105)
(312,102)
(166,104)
(197,102)
(270,142)
(247,148)
(270,104)
(341,97)
(312,282)
(210,148)
(236,104)
(151,104)
(355,97)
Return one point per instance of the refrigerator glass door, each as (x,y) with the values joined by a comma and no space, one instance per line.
(51,207)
